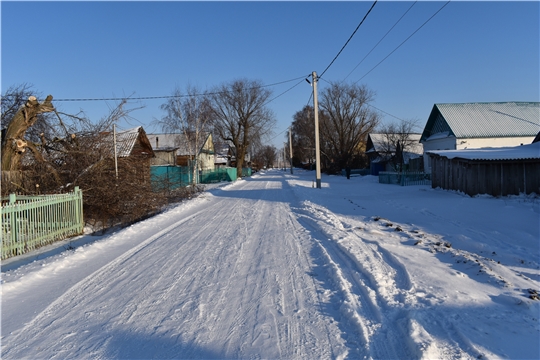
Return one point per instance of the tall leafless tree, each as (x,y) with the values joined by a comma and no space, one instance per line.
(241,116)
(347,120)
(265,156)
(303,136)
(187,114)
(14,142)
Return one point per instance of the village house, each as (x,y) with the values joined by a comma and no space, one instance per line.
(381,151)
(133,144)
(222,155)
(182,150)
(479,125)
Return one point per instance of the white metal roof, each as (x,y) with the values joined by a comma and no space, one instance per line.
(125,141)
(498,119)
(379,140)
(178,141)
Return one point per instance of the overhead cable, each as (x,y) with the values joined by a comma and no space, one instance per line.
(350,37)
(388,32)
(289,89)
(171,96)
(404,41)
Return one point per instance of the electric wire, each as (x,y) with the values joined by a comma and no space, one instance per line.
(404,41)
(172,96)
(289,89)
(388,32)
(376,108)
(350,37)
(302,78)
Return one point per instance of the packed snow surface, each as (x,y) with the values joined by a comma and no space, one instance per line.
(271,267)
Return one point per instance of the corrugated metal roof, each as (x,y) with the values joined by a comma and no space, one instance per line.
(125,141)
(379,140)
(501,119)
(179,141)
(524,152)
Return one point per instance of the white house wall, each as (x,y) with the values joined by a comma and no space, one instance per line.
(206,161)
(492,142)
(447,143)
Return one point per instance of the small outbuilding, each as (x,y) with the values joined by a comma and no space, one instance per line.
(493,171)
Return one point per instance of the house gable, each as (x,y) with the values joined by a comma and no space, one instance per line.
(483,120)
(133,142)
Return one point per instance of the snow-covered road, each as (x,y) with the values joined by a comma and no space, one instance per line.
(269,267)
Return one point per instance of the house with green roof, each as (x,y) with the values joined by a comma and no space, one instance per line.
(479,125)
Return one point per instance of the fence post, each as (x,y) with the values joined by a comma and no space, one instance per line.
(79,206)
(13,222)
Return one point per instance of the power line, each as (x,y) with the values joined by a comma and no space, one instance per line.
(372,105)
(289,89)
(404,41)
(172,96)
(354,32)
(384,112)
(388,32)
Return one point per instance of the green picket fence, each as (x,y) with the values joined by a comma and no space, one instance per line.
(29,222)
(404,178)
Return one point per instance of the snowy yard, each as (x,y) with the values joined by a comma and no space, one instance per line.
(270,267)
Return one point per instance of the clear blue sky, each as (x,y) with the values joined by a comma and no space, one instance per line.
(469,52)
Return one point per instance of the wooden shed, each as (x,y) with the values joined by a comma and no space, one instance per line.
(493,171)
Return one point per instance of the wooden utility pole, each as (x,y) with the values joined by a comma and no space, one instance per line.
(290,148)
(115,152)
(317,148)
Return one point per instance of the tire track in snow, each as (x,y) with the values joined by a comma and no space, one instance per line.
(203,288)
(280,298)
(367,280)
(30,331)
(121,269)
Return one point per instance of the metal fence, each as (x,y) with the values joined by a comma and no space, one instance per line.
(404,178)
(173,177)
(29,222)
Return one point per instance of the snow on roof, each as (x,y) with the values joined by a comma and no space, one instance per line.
(125,141)
(379,140)
(441,135)
(529,151)
(178,141)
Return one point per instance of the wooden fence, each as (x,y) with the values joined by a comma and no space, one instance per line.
(491,177)
(29,222)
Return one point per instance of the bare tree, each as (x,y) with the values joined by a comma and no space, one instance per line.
(76,152)
(240,115)
(14,143)
(303,136)
(265,156)
(187,114)
(346,121)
